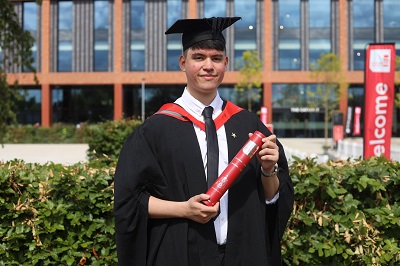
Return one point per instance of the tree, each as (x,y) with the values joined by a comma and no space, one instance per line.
(250,77)
(327,72)
(15,45)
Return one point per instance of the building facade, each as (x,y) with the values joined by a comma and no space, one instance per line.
(94,58)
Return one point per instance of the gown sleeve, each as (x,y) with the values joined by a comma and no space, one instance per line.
(136,171)
(279,213)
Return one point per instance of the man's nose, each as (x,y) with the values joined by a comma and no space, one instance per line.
(208,64)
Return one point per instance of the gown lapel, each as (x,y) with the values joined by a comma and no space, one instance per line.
(195,175)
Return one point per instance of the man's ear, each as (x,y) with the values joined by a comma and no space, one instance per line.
(182,61)
(226,61)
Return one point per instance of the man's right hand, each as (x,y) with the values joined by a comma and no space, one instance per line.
(192,209)
(198,211)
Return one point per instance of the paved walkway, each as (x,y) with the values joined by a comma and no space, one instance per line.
(348,148)
(73,153)
(42,153)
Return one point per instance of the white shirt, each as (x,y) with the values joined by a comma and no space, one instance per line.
(195,108)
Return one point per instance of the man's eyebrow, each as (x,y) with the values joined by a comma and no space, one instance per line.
(203,54)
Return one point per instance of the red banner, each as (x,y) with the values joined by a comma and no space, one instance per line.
(357,123)
(264,114)
(379,97)
(337,133)
(263,118)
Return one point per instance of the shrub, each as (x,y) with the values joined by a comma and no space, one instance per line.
(56,215)
(345,213)
(105,139)
(57,133)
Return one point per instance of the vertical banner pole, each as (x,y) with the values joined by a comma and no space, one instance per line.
(379,99)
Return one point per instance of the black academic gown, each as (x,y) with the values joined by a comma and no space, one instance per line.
(162,158)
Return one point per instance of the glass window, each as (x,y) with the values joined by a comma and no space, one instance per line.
(214,8)
(293,115)
(245,29)
(155,97)
(30,24)
(391,23)
(101,35)
(363,30)
(228,92)
(396,116)
(355,98)
(319,29)
(137,35)
(174,45)
(29,109)
(64,36)
(289,35)
(76,104)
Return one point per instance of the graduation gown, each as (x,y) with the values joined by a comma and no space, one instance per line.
(162,158)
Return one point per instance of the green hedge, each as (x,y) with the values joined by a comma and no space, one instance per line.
(57,133)
(105,139)
(346,213)
(56,215)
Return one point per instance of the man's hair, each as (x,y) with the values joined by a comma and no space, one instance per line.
(207,44)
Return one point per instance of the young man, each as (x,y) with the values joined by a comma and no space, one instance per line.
(162,172)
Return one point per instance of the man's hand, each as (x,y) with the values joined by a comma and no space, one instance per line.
(199,212)
(268,157)
(269,153)
(192,209)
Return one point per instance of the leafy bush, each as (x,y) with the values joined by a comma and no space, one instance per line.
(57,133)
(106,139)
(345,213)
(56,215)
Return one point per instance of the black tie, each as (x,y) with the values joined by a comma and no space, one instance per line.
(212,146)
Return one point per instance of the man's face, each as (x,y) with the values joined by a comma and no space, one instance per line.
(205,69)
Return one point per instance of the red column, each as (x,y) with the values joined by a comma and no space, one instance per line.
(268,100)
(192,9)
(268,56)
(118,15)
(118,104)
(118,66)
(45,65)
(343,51)
(46,105)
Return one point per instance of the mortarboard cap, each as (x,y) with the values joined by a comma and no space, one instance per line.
(196,30)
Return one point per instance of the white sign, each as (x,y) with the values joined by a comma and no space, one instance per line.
(379,61)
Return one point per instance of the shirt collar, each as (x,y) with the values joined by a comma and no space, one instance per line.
(194,106)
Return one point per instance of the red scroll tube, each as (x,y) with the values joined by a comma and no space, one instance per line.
(234,168)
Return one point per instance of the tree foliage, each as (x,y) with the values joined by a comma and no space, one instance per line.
(250,79)
(15,45)
(328,74)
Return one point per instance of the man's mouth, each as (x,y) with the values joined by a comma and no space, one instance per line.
(208,76)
